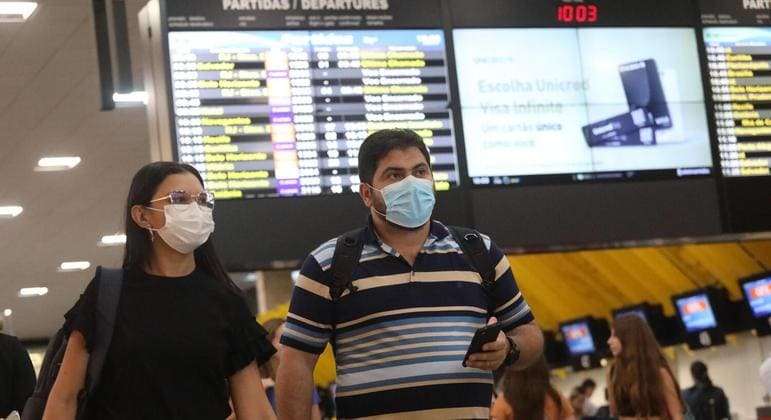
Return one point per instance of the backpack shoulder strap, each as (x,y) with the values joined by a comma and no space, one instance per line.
(110,284)
(476,252)
(346,258)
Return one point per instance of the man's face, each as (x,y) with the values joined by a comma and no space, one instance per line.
(392,168)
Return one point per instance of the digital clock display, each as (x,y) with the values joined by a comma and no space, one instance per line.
(577,13)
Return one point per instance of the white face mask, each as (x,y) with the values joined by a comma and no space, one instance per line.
(188,226)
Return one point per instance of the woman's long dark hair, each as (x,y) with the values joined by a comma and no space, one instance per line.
(636,383)
(526,390)
(138,243)
(700,374)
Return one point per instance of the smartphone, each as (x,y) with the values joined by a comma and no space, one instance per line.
(482,336)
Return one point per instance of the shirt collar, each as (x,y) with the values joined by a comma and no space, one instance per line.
(437,231)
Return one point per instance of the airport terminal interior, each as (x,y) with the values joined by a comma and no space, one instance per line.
(386,209)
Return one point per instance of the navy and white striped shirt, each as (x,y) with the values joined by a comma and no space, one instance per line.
(399,340)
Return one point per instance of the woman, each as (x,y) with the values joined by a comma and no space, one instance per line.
(529,395)
(184,340)
(275,328)
(641,383)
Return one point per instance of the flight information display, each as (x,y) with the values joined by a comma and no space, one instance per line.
(739,60)
(283,113)
(581,104)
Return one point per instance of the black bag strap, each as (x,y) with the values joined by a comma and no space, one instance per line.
(346,258)
(473,246)
(110,284)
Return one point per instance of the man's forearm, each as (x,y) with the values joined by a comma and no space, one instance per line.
(294,388)
(529,339)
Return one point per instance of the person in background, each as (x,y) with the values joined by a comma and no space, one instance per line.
(587,388)
(184,340)
(17,376)
(707,401)
(402,326)
(604,411)
(764,372)
(577,401)
(640,380)
(529,394)
(275,328)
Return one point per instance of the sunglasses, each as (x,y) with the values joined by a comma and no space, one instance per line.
(203,198)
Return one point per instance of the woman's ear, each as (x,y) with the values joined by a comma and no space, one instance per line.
(139,217)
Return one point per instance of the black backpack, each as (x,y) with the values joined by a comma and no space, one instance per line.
(348,252)
(110,283)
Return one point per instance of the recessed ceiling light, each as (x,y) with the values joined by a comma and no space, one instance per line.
(133,98)
(74,266)
(113,240)
(9,212)
(7,312)
(62,163)
(16,11)
(33,291)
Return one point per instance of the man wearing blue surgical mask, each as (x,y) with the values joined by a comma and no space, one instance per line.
(400,301)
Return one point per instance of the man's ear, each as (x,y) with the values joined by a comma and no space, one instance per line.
(366,194)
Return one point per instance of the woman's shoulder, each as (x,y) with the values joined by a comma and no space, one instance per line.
(501,409)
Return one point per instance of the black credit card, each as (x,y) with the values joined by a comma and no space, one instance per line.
(643,88)
(645,136)
(601,132)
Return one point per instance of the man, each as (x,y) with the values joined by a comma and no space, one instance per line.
(17,376)
(401,329)
(707,401)
(587,388)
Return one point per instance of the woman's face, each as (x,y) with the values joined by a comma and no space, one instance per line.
(155,219)
(615,344)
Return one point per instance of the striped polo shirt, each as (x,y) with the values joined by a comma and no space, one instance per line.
(399,340)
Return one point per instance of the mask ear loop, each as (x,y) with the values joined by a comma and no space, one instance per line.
(150,228)
(373,201)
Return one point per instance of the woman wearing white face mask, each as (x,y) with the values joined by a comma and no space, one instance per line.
(184,341)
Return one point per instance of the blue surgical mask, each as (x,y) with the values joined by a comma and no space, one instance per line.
(409,202)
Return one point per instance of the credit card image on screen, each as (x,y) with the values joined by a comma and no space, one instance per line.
(578,338)
(758,294)
(283,113)
(550,101)
(696,313)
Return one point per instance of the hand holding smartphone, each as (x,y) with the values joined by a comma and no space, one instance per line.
(482,336)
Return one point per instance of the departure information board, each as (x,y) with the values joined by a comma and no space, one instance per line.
(283,113)
(739,60)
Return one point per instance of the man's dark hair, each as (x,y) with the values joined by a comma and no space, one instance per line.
(588,383)
(380,143)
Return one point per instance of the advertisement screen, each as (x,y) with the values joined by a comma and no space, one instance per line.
(696,313)
(594,103)
(758,293)
(578,338)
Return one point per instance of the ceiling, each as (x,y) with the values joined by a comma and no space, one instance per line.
(49,105)
(563,286)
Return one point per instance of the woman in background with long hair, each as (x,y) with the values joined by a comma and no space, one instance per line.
(529,395)
(641,383)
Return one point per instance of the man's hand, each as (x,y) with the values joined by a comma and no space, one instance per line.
(493,354)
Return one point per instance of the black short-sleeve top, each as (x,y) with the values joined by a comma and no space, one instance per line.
(176,342)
